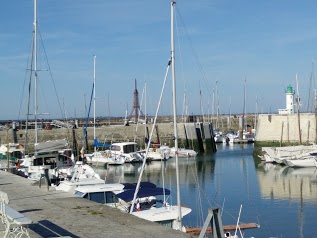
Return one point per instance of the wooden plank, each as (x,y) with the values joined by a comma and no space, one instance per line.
(196,230)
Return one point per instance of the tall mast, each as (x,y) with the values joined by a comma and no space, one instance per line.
(229,122)
(35,68)
(298,113)
(217,101)
(94,102)
(145,128)
(244,107)
(179,219)
(213,106)
(256,113)
(245,101)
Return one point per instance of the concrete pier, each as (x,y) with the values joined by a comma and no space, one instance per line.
(59,214)
(197,136)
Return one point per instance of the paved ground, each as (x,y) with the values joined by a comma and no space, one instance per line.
(57,214)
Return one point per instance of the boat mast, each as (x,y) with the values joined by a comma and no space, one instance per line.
(229,121)
(35,68)
(243,113)
(217,102)
(298,113)
(256,113)
(315,108)
(179,219)
(201,104)
(145,124)
(244,106)
(94,103)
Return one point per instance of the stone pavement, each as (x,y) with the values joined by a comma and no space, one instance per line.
(59,214)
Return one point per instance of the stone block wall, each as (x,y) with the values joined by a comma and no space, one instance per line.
(285,128)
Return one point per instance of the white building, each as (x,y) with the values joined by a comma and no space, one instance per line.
(289,101)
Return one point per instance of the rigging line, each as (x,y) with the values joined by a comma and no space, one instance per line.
(213,201)
(201,103)
(194,52)
(87,120)
(180,55)
(28,107)
(51,75)
(244,100)
(199,190)
(310,97)
(25,77)
(150,138)
(163,181)
(28,103)
(109,109)
(184,105)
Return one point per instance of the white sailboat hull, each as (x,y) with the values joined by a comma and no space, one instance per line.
(163,214)
(305,162)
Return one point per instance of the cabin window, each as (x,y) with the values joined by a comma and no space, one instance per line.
(38,161)
(115,148)
(111,197)
(80,194)
(49,161)
(63,160)
(17,154)
(97,197)
(129,148)
(168,223)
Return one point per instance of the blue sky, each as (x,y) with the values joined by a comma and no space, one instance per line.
(266,42)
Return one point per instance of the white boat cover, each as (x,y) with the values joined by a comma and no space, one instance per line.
(53,145)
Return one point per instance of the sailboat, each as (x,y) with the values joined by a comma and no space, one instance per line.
(155,153)
(53,156)
(166,214)
(101,157)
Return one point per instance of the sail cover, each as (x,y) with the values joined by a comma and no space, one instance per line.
(142,185)
(128,195)
(100,144)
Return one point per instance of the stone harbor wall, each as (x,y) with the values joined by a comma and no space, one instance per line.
(163,132)
(285,128)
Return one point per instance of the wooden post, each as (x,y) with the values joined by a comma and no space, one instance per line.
(281,141)
(308,127)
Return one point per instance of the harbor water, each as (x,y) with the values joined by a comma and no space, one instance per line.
(282,200)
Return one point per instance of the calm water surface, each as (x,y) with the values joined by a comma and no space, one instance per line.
(282,200)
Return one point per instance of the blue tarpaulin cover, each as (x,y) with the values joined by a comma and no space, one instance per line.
(142,185)
(99,144)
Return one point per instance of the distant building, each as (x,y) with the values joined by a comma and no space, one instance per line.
(289,93)
(136,111)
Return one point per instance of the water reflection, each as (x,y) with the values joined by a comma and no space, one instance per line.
(284,182)
(297,187)
(283,200)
